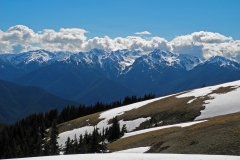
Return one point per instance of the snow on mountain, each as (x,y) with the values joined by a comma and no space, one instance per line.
(167,58)
(112,63)
(160,58)
(119,61)
(223,62)
(188,61)
(218,104)
(38,56)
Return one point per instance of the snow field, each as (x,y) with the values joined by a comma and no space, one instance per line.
(221,104)
(134,156)
(218,104)
(206,90)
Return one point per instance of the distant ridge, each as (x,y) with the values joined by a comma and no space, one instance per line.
(19,101)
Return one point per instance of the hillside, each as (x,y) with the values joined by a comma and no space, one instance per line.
(183,123)
(19,101)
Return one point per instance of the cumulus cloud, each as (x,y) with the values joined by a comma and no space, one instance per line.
(17,38)
(131,43)
(202,44)
(205,45)
(69,39)
(142,33)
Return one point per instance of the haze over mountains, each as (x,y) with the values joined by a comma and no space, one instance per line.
(98,75)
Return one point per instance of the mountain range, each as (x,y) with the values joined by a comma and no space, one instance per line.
(98,75)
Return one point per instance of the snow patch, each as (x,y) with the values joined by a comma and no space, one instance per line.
(221,104)
(63,136)
(191,100)
(121,110)
(162,127)
(135,150)
(131,125)
(207,90)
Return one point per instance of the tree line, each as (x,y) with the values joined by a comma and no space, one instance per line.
(29,137)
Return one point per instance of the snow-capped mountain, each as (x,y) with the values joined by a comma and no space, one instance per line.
(116,60)
(160,72)
(160,58)
(223,62)
(37,56)
(119,62)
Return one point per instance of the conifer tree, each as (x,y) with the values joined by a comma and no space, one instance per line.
(123,130)
(46,148)
(75,145)
(67,146)
(53,144)
(80,144)
(114,130)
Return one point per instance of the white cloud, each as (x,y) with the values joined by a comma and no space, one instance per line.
(206,44)
(130,43)
(141,33)
(70,39)
(17,39)
(202,44)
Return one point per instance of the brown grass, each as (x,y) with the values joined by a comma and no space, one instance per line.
(170,110)
(93,120)
(222,90)
(219,135)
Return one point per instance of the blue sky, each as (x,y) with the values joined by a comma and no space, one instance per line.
(163,18)
(197,27)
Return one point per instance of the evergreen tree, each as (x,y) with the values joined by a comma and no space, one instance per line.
(114,130)
(75,145)
(46,148)
(53,144)
(68,146)
(80,144)
(123,130)
(95,146)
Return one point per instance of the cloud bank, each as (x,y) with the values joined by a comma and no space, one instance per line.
(203,44)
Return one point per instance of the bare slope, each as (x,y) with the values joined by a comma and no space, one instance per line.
(218,135)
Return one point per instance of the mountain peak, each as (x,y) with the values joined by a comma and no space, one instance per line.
(217,59)
(167,58)
(223,62)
